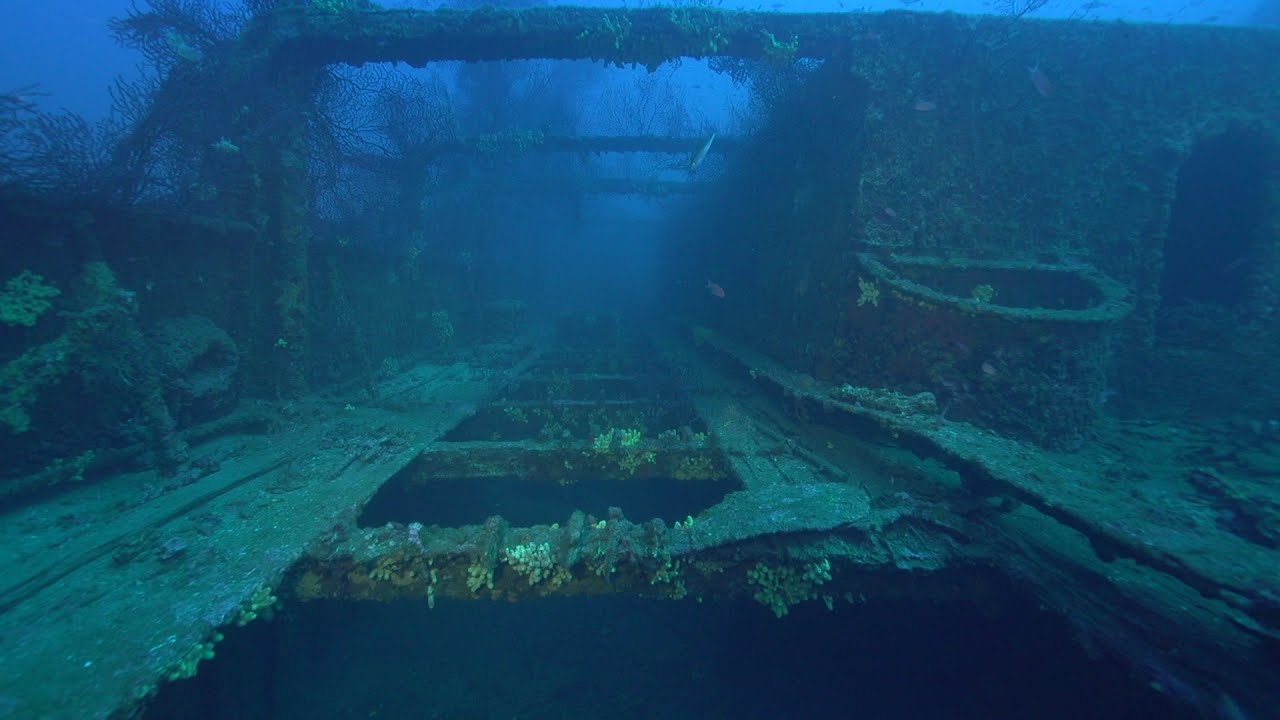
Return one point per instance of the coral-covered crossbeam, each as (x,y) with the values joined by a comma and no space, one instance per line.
(348,33)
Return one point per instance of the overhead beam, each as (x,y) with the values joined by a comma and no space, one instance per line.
(591,144)
(644,36)
(626,186)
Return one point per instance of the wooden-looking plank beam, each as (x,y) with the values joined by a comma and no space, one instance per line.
(644,36)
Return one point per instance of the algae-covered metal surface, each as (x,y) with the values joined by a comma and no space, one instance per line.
(115,588)
(811,516)
(281,352)
(1131,512)
(645,36)
(781,534)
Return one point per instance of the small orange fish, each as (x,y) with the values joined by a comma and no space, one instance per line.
(715,290)
(1040,80)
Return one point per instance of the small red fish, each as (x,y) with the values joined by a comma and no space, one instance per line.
(1040,80)
(715,289)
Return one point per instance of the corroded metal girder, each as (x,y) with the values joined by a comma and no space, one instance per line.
(742,547)
(603,144)
(530,459)
(645,36)
(792,529)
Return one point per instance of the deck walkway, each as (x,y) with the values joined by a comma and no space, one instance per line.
(108,590)
(111,589)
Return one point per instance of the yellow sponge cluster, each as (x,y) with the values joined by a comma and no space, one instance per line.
(533,560)
(782,586)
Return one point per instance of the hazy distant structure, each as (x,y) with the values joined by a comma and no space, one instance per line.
(1267,13)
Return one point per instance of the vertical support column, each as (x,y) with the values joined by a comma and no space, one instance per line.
(291,237)
(1266,297)
(275,96)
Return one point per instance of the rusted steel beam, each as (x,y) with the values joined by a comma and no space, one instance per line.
(537,142)
(643,144)
(651,188)
(644,36)
(549,462)
(778,563)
